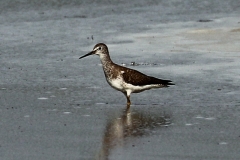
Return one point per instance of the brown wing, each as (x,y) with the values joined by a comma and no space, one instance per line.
(137,78)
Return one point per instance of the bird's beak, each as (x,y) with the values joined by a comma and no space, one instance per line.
(90,53)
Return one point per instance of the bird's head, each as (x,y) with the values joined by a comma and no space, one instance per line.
(99,49)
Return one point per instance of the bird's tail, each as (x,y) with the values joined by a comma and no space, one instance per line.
(165,83)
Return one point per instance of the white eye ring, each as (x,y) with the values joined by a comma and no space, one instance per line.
(99,48)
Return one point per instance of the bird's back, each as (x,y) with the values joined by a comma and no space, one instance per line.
(137,78)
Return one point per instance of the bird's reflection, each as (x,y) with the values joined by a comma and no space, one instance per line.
(129,124)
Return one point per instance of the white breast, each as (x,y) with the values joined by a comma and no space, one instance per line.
(116,83)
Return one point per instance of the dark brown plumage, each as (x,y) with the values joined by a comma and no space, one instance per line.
(135,77)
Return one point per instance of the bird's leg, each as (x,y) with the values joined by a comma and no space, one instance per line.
(128,100)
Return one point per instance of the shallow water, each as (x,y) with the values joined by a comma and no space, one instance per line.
(55,106)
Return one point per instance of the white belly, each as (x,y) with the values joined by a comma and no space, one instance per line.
(120,85)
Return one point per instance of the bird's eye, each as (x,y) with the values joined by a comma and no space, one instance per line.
(99,48)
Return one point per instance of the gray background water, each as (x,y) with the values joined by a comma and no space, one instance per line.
(55,106)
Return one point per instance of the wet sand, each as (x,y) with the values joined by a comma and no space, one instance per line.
(55,106)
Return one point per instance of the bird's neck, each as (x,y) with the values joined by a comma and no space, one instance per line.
(106,60)
(107,64)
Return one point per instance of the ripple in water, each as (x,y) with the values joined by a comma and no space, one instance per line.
(42,98)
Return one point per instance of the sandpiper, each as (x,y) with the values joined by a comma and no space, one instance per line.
(125,79)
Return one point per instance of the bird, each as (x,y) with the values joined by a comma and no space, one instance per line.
(125,79)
